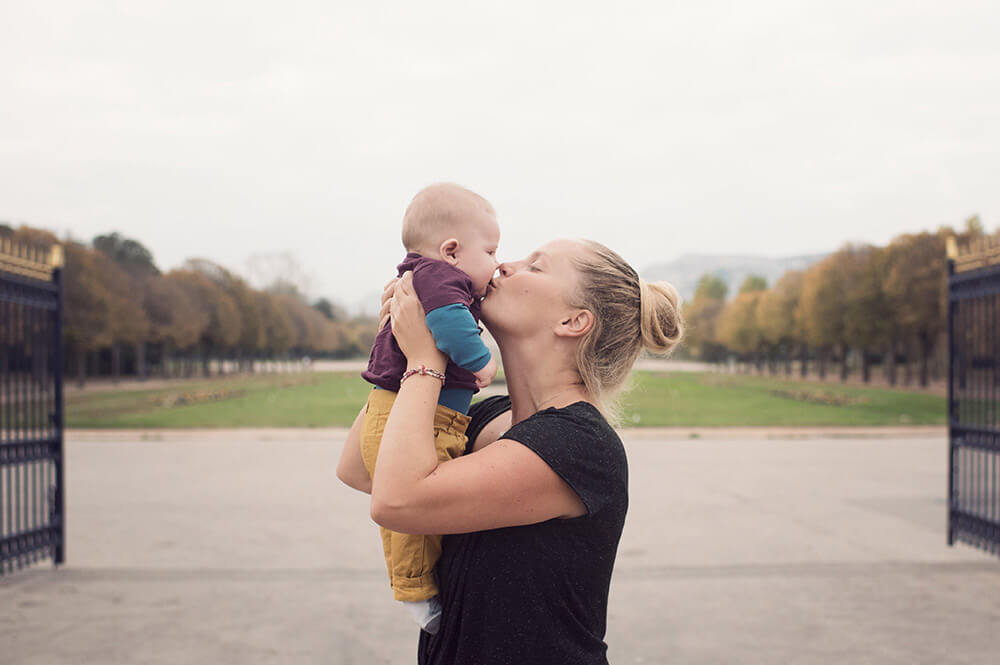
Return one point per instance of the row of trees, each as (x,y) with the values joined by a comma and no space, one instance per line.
(117,301)
(885,305)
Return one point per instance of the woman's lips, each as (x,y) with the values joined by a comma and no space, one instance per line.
(489,287)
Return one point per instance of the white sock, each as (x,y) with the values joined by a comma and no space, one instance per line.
(427,613)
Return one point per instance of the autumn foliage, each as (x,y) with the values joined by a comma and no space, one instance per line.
(122,314)
(884,305)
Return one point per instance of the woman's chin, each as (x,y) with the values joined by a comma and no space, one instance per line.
(485,312)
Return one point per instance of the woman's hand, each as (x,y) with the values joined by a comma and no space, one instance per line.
(387,291)
(409,326)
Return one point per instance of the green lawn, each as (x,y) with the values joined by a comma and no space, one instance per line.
(330,399)
(709,399)
(276,400)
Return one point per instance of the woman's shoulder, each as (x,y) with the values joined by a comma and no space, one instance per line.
(579,444)
(582,419)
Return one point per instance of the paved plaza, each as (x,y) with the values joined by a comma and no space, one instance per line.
(243,548)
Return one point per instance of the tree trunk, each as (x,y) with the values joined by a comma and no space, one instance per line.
(890,364)
(206,369)
(804,360)
(822,364)
(843,363)
(907,365)
(788,360)
(116,362)
(81,367)
(926,349)
(866,369)
(140,361)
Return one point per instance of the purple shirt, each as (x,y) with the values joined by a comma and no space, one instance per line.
(437,283)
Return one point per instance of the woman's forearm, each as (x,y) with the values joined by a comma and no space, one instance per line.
(406,454)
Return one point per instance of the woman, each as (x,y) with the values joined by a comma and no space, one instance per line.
(538,504)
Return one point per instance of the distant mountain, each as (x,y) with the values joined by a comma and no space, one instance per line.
(685,271)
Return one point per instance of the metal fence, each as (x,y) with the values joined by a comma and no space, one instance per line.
(32,499)
(974,395)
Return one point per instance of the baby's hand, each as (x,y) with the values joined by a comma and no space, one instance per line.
(485,376)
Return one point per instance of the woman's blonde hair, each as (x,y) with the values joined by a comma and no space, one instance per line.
(629,315)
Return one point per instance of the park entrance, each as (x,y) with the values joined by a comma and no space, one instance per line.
(974,396)
(32,516)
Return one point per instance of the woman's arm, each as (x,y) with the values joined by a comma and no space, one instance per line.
(351,468)
(503,484)
(492,431)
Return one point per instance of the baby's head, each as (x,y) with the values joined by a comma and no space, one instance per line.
(452,224)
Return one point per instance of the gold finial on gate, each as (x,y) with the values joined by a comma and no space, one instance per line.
(951,248)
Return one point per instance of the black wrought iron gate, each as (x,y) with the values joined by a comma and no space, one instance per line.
(32,515)
(974,395)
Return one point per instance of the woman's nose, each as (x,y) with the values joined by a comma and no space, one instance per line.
(504,269)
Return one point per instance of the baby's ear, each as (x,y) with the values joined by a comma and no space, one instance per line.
(449,250)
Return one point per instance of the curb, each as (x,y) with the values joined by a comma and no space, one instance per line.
(771,432)
(338,434)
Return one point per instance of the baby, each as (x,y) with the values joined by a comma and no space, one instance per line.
(451,236)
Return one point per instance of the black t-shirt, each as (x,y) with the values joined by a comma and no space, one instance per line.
(537,594)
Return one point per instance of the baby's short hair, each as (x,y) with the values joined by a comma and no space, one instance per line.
(437,212)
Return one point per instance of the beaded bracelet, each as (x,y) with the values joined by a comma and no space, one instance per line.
(423,369)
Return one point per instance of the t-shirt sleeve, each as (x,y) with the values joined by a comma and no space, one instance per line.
(438,284)
(585,452)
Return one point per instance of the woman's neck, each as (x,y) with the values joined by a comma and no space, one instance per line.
(539,379)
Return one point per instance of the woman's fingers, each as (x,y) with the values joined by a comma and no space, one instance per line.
(404,305)
(387,291)
(383,314)
(405,283)
(409,324)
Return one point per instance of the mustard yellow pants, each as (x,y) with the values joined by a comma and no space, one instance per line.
(410,558)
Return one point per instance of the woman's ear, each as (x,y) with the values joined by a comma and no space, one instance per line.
(449,250)
(576,323)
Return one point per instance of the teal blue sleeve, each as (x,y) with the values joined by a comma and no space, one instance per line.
(456,333)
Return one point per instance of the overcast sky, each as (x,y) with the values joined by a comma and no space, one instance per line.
(228,129)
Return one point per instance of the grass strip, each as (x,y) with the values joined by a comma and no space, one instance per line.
(687,399)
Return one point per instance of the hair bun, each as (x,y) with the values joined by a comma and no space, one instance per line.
(660,319)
